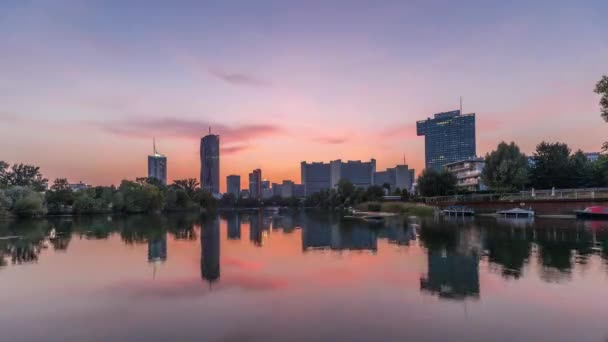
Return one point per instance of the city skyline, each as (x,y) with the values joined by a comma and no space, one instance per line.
(86,83)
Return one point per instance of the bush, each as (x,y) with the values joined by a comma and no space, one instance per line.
(29,206)
(374,206)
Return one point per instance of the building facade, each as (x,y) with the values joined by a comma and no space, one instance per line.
(233,185)
(399,177)
(255,184)
(361,174)
(157,166)
(315,177)
(468,173)
(449,137)
(210,163)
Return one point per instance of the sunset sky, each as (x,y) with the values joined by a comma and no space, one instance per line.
(85,85)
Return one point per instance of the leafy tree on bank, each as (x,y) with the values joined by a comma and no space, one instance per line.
(581,170)
(506,168)
(59,196)
(189,185)
(601,88)
(551,167)
(22,175)
(432,183)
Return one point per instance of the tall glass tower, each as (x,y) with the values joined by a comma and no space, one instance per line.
(448,137)
(157,165)
(210,163)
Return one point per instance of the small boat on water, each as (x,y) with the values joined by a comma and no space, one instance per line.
(516,213)
(458,211)
(596,212)
(374,219)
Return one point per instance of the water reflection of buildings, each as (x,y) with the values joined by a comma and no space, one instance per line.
(210,250)
(453,264)
(316,235)
(157,249)
(234,226)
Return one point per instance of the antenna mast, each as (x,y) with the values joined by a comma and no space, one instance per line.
(154,144)
(461,106)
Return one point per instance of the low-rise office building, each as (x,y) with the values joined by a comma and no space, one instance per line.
(468,173)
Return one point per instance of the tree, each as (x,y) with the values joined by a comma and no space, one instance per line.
(506,168)
(189,185)
(601,88)
(22,175)
(29,206)
(581,170)
(552,166)
(432,183)
(600,172)
(3,174)
(60,195)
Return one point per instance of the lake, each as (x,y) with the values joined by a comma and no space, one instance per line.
(303,276)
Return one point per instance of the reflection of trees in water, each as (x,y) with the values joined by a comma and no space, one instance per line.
(142,228)
(181,226)
(558,245)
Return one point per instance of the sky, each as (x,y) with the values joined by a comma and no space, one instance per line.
(86,85)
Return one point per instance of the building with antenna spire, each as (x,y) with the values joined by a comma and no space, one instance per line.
(448,137)
(157,165)
(210,163)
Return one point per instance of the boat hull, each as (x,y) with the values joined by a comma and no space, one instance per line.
(591,216)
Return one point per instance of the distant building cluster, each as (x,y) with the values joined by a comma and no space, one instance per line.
(450,145)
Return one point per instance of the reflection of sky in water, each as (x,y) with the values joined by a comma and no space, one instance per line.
(302,277)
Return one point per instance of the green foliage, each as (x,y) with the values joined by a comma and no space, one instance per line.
(432,183)
(88,205)
(552,167)
(59,196)
(581,171)
(177,199)
(374,206)
(601,88)
(22,175)
(189,185)
(205,199)
(506,168)
(29,206)
(600,172)
(139,197)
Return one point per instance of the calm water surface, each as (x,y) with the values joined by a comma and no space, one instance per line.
(302,277)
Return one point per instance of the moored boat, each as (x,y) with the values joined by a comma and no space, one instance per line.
(458,211)
(596,212)
(516,213)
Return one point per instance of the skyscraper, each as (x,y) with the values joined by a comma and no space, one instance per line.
(315,177)
(448,137)
(157,165)
(210,163)
(255,184)
(233,185)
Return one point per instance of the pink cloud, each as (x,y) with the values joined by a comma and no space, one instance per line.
(239,78)
(187,129)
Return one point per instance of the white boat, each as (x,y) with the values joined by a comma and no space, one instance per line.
(516,213)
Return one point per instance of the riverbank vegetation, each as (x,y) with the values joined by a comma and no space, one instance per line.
(402,208)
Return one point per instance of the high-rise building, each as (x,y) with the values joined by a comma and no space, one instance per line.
(255,184)
(233,185)
(448,137)
(361,174)
(210,163)
(315,177)
(323,176)
(399,177)
(287,189)
(157,166)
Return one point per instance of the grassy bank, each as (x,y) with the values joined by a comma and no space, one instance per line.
(403,208)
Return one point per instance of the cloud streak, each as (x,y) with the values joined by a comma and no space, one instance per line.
(239,79)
